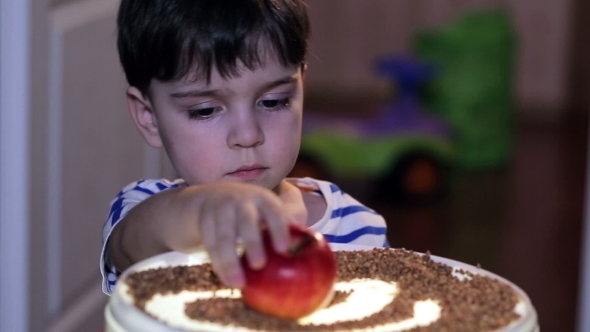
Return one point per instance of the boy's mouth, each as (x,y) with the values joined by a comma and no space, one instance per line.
(250,172)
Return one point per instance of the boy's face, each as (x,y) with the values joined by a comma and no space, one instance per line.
(245,128)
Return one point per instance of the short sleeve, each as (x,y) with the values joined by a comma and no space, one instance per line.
(346,220)
(128,198)
(357,223)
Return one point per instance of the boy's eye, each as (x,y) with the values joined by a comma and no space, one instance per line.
(202,113)
(274,103)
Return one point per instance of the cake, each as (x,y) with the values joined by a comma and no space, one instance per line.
(377,290)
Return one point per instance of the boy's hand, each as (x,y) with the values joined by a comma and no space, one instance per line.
(229,211)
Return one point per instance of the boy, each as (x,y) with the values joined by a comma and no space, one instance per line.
(219,85)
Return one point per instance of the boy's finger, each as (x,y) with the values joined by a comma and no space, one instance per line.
(214,243)
(229,274)
(228,267)
(207,233)
(208,239)
(249,230)
(228,263)
(276,221)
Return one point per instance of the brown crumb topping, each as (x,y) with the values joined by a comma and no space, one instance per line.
(478,303)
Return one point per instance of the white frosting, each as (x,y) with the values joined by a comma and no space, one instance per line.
(170,309)
(367,297)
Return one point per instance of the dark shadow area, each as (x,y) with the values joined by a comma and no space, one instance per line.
(522,221)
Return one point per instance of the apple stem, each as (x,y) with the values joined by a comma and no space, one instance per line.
(297,247)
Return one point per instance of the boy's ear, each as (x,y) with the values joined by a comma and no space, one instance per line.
(142,113)
(303,70)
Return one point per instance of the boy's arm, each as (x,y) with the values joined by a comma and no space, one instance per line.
(144,231)
(129,197)
(175,219)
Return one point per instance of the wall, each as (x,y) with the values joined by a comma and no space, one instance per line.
(579,66)
(347,34)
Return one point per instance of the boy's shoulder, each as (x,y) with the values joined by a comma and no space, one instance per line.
(321,198)
(314,198)
(311,185)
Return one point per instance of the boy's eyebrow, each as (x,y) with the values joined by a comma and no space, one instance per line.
(284,80)
(206,93)
(194,93)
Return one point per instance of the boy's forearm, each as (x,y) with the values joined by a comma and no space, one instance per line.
(152,227)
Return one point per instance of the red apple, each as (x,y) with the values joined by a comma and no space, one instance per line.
(294,284)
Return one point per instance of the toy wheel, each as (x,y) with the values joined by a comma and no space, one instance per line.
(309,166)
(417,178)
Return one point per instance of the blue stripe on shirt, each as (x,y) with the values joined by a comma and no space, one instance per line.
(144,190)
(116,209)
(347,238)
(117,206)
(345,211)
(163,186)
(116,216)
(334,188)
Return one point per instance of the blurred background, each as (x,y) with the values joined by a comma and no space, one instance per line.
(463,122)
(512,85)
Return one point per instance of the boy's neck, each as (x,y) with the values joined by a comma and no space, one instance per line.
(303,207)
(291,196)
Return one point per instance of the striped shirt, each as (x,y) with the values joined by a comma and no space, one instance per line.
(345,221)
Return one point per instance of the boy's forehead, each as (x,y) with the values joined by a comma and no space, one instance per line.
(264,76)
(266,58)
(272,70)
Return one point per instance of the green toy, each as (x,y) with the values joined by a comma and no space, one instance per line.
(404,149)
(474,89)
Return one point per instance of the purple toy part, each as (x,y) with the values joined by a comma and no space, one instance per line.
(405,117)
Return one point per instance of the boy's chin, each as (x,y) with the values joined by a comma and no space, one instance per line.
(270,184)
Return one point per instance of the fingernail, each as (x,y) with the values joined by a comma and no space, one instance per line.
(257,261)
(281,245)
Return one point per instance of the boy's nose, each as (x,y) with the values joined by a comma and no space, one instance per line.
(246,132)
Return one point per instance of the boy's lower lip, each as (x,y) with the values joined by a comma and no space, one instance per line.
(250,174)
